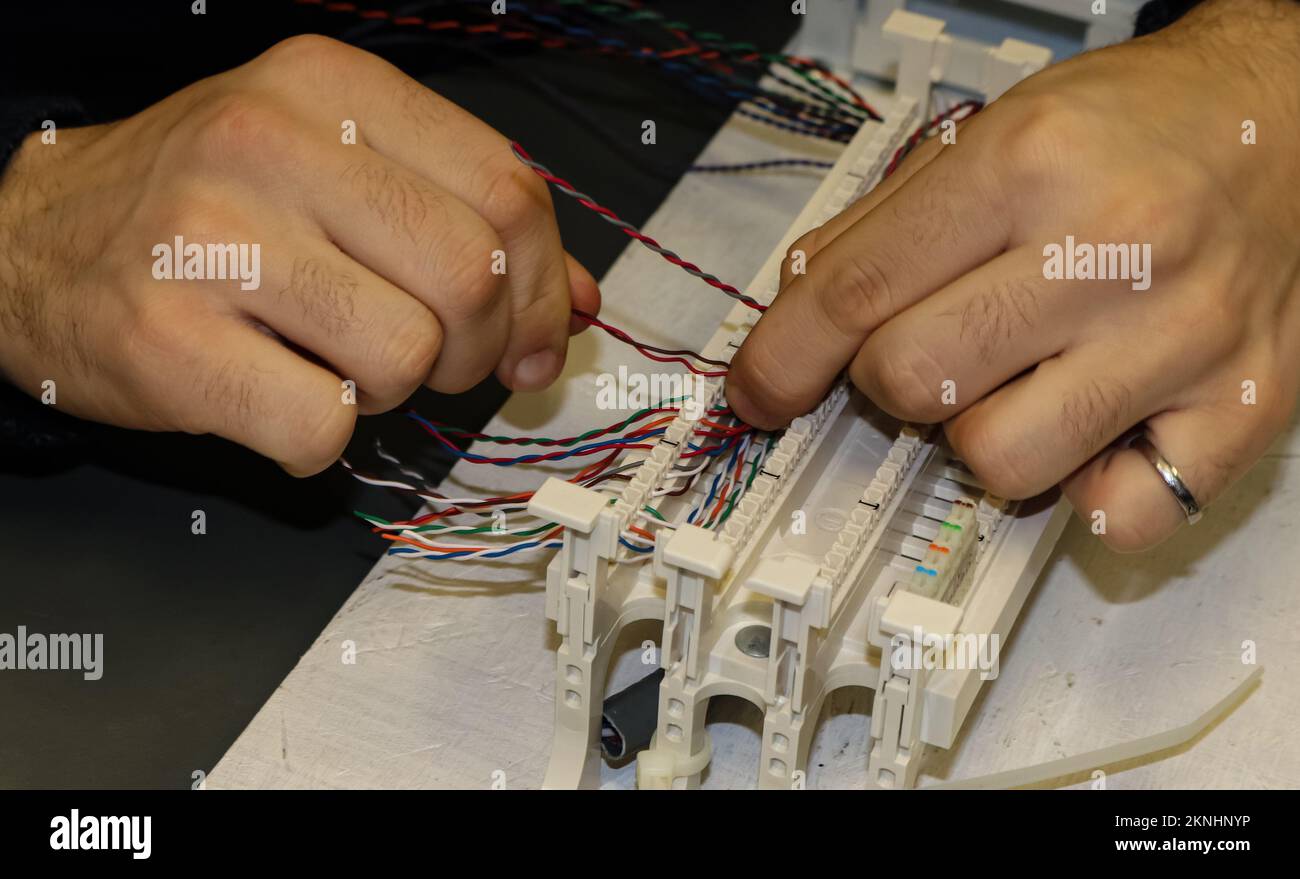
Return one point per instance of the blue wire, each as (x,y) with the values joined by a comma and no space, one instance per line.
(411,550)
(713,489)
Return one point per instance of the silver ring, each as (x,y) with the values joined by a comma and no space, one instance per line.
(1169,473)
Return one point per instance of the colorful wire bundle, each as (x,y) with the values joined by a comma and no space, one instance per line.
(407,535)
(416,537)
(844,109)
(815,102)
(567,441)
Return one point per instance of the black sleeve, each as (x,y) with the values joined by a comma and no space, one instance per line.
(1156,14)
(23,115)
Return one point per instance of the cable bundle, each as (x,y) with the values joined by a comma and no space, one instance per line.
(712,440)
(788,92)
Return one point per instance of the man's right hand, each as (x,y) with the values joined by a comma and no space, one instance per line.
(377,257)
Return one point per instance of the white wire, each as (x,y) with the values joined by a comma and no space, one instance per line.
(653,520)
(685,474)
(424,536)
(439,551)
(417,553)
(449,501)
(401,467)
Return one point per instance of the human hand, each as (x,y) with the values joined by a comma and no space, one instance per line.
(941,275)
(378,261)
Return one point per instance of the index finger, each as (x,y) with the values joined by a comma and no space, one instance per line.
(941,223)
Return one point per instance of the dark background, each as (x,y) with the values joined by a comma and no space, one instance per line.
(199,630)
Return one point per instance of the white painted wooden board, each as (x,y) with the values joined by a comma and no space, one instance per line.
(454,674)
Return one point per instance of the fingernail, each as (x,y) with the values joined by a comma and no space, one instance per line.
(745,409)
(536,371)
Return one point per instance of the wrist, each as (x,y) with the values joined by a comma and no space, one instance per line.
(1243,61)
(19,309)
(1258,38)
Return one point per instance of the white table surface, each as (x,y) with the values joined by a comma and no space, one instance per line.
(453,680)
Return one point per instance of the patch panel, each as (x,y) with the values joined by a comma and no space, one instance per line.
(854,530)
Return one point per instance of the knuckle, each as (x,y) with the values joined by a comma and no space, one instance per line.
(1166,219)
(1039,130)
(514,198)
(1211,315)
(995,455)
(856,293)
(155,344)
(408,357)
(305,54)
(473,288)
(240,127)
(906,384)
(159,328)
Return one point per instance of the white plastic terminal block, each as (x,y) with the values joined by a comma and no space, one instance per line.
(1011,62)
(915,51)
(699,551)
(907,611)
(570,505)
(788,579)
(795,590)
(923,51)
(897,707)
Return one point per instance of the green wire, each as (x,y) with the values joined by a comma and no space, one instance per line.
(753,473)
(818,84)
